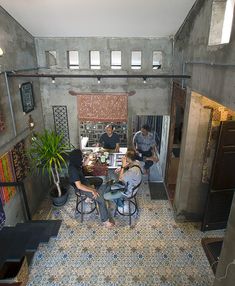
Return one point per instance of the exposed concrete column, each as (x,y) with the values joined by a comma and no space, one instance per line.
(190,194)
(228,254)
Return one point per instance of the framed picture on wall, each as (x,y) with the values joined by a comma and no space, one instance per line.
(26,92)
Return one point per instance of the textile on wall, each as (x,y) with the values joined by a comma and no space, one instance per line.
(103,107)
(20,161)
(6,175)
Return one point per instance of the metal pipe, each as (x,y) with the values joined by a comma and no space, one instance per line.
(209,63)
(10,103)
(98,75)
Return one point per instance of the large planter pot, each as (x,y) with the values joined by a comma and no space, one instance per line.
(59,201)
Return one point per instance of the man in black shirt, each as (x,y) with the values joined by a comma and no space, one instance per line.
(77,178)
(110,140)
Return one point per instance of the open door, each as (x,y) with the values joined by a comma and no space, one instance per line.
(222,184)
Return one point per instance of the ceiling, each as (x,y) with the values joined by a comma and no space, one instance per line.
(103,18)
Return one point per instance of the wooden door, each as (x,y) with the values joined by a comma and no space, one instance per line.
(222,184)
(173,153)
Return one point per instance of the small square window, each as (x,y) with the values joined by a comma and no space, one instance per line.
(95,60)
(50,58)
(116,60)
(73,60)
(136,60)
(221,22)
(157,60)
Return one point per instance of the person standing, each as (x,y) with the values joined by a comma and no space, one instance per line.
(78,180)
(145,147)
(109,140)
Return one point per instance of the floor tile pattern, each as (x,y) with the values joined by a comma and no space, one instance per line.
(155,251)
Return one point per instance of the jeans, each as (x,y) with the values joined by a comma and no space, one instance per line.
(116,197)
(97,182)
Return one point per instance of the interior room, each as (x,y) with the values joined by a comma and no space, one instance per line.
(155,81)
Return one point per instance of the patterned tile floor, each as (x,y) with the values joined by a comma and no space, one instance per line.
(156,251)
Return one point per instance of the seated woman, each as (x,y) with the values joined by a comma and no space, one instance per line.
(131,176)
(77,178)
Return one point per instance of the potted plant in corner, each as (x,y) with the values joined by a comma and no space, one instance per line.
(47,153)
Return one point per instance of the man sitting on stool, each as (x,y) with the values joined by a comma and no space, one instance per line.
(109,140)
(77,178)
(145,147)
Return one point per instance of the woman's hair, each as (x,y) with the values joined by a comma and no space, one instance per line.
(76,158)
(131,154)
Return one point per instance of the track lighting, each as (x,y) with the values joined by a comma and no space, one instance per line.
(52,80)
(144,79)
(98,79)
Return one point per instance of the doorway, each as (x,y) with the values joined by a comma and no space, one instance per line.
(175,135)
(156,123)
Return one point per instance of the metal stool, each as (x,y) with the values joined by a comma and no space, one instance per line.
(132,208)
(79,209)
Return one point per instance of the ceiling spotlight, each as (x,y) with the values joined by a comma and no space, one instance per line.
(98,79)
(52,80)
(144,79)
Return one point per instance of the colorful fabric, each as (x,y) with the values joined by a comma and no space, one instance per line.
(20,161)
(103,107)
(6,175)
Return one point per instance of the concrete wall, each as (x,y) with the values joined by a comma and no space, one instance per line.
(19,53)
(151,98)
(217,83)
(194,57)
(191,193)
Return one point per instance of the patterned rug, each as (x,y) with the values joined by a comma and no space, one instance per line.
(155,251)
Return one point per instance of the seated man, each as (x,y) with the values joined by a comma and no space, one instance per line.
(77,178)
(131,176)
(145,147)
(109,140)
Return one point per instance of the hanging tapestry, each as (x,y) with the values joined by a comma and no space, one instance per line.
(2,215)
(6,175)
(20,161)
(2,124)
(103,107)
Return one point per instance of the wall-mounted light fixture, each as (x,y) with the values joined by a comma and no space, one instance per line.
(31,123)
(1,52)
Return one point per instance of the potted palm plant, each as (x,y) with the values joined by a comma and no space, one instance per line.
(47,154)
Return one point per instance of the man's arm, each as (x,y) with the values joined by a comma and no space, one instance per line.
(85,188)
(101,141)
(117,147)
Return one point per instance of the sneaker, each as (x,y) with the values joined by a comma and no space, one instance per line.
(89,201)
(124,209)
(109,224)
